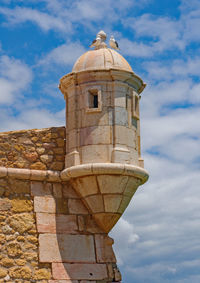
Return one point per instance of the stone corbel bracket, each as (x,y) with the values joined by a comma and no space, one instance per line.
(105,188)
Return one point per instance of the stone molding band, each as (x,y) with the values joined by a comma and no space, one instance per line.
(30,174)
(76,171)
(105,169)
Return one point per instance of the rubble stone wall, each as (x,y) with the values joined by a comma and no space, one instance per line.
(35,149)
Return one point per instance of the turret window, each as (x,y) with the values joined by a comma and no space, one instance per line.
(135,107)
(94,100)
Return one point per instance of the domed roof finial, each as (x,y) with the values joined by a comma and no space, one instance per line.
(99,42)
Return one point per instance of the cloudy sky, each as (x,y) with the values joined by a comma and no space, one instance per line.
(158,238)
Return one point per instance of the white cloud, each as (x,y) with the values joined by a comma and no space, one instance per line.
(163,34)
(90,10)
(187,6)
(173,70)
(31,118)
(65,54)
(15,76)
(191,24)
(63,16)
(124,232)
(45,21)
(135,49)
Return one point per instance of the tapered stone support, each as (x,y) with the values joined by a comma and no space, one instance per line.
(106,189)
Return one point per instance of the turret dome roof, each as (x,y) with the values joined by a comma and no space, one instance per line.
(101,59)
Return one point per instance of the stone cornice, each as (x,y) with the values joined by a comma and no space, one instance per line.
(74,78)
(75,171)
(105,169)
(29,174)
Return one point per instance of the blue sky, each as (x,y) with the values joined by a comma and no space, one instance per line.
(158,238)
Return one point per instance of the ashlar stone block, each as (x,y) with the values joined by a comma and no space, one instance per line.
(121,116)
(85,186)
(96,153)
(76,207)
(95,203)
(51,223)
(44,204)
(66,248)
(95,135)
(79,271)
(104,249)
(112,202)
(111,184)
(40,189)
(124,135)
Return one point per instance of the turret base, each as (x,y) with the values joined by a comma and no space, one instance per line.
(105,188)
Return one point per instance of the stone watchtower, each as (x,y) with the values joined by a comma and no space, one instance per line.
(103,159)
(63,189)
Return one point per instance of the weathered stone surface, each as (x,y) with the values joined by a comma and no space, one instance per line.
(112,184)
(79,271)
(30,256)
(112,202)
(2,190)
(69,192)
(106,220)
(32,239)
(20,262)
(104,249)
(2,238)
(85,186)
(61,206)
(20,272)
(5,204)
(22,222)
(14,249)
(31,156)
(60,142)
(19,186)
(42,274)
(57,165)
(95,203)
(3,272)
(40,189)
(66,248)
(7,262)
(21,205)
(57,190)
(45,158)
(76,207)
(38,166)
(51,223)
(6,229)
(44,204)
